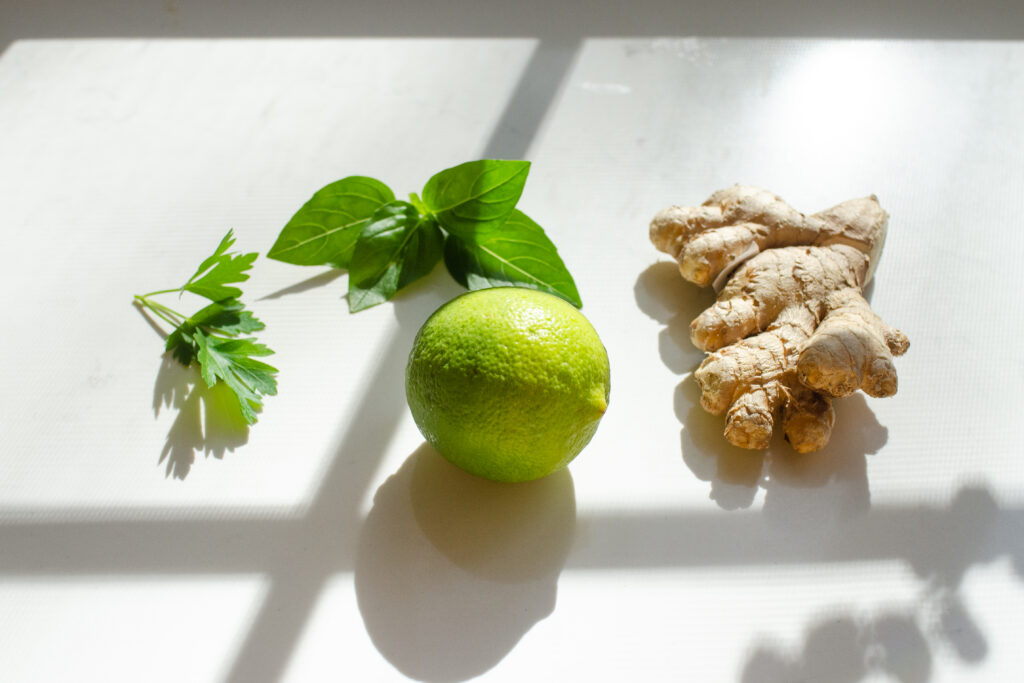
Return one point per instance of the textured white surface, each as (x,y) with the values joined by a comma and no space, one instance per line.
(329,544)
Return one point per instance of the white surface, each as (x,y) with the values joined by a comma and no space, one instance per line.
(329,544)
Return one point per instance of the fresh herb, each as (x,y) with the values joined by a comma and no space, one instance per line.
(466,217)
(325,229)
(212,336)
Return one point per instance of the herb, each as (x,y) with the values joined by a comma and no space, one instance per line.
(211,336)
(467,217)
(325,229)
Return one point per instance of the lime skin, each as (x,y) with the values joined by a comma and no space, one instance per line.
(508,383)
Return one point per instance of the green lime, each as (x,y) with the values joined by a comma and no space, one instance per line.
(507,383)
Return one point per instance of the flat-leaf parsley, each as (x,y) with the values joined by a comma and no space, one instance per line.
(211,337)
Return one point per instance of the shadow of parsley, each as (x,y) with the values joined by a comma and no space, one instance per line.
(208,420)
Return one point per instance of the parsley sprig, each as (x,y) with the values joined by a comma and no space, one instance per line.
(212,336)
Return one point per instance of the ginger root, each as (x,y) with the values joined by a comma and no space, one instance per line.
(791,328)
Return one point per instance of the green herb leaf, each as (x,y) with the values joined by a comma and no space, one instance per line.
(220,269)
(182,345)
(218,253)
(210,336)
(518,254)
(226,318)
(477,196)
(395,248)
(232,361)
(356,223)
(324,231)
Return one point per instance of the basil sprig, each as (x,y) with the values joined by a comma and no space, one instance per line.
(467,217)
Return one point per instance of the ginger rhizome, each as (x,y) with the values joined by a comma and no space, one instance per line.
(791,328)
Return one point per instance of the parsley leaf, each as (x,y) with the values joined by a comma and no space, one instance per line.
(210,337)
(226,318)
(231,360)
(218,270)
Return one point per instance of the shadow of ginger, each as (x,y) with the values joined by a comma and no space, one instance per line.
(837,475)
(832,482)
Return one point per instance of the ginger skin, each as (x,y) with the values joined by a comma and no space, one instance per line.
(791,329)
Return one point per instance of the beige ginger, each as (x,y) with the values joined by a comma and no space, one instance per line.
(791,328)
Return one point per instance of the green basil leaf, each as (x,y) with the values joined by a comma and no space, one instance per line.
(324,231)
(518,254)
(476,196)
(395,248)
(424,250)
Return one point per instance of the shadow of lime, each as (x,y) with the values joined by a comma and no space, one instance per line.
(452,570)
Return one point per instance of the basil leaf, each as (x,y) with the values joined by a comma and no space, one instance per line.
(324,231)
(518,254)
(396,247)
(476,196)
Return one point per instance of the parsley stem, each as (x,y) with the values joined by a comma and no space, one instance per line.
(160,291)
(168,315)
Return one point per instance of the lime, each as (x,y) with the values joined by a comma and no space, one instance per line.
(507,383)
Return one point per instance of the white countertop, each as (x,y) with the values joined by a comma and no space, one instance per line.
(329,543)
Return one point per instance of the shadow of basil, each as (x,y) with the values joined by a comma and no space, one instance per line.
(845,649)
(452,570)
(321,279)
(900,642)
